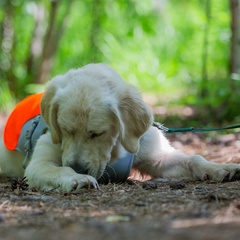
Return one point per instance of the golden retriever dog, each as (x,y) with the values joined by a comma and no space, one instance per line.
(94,117)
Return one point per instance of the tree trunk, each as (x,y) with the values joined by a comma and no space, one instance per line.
(204,81)
(97,12)
(54,32)
(35,50)
(235,40)
(7,46)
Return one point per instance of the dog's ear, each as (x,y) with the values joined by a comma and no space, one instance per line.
(49,111)
(134,118)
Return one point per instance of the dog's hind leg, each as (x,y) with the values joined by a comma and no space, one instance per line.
(10,162)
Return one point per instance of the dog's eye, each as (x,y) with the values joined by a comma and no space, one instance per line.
(95,135)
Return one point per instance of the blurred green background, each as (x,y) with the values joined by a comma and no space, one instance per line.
(178,52)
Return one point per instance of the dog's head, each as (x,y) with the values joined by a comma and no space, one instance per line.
(93,113)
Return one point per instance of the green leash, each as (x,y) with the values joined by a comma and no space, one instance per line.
(191,129)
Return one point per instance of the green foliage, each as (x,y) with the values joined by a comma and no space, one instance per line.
(157,46)
(6,97)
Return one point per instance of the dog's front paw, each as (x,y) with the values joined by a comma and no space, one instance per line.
(233,172)
(222,172)
(205,170)
(77,181)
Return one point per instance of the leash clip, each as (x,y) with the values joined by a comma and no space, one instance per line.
(160,126)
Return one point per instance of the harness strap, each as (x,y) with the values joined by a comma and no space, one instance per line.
(29,135)
(191,129)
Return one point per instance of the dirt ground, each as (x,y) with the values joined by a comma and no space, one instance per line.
(157,209)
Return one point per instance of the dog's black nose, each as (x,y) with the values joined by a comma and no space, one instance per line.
(77,167)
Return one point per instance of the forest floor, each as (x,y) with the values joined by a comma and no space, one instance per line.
(157,209)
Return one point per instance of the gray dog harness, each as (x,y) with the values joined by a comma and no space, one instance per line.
(35,127)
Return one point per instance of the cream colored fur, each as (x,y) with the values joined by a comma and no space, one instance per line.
(94,117)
